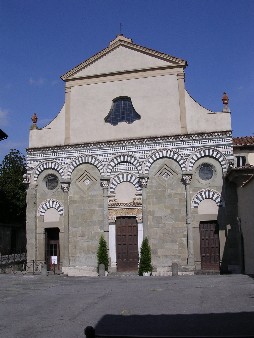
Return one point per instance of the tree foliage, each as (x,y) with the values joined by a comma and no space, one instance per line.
(102,253)
(145,263)
(12,189)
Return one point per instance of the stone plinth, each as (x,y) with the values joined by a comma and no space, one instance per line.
(80,271)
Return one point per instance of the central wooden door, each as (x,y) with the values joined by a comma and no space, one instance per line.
(127,243)
(209,246)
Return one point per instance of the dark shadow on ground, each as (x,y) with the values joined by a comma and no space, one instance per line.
(200,325)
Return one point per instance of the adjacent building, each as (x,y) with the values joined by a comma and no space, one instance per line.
(131,154)
(241,177)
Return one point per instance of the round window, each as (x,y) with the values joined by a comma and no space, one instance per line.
(51,181)
(206,171)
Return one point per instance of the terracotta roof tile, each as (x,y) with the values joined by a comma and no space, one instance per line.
(243,141)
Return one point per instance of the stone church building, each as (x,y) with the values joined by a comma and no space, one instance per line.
(131,154)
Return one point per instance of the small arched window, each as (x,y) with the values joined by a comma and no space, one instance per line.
(122,110)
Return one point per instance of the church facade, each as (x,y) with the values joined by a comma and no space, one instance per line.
(130,155)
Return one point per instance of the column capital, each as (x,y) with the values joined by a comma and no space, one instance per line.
(26,180)
(187,178)
(181,76)
(105,182)
(67,89)
(65,185)
(143,180)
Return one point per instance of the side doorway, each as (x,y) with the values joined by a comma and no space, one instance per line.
(209,246)
(52,249)
(127,243)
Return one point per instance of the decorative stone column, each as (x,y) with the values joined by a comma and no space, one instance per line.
(105,185)
(143,180)
(187,180)
(65,185)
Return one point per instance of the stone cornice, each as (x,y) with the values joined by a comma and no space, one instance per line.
(123,75)
(123,42)
(113,143)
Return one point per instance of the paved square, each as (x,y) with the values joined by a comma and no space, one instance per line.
(58,306)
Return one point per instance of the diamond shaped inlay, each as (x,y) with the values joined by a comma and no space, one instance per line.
(85,180)
(165,175)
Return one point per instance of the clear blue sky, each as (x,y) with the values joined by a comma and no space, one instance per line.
(42,39)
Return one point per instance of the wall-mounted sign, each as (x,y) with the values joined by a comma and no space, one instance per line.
(53,259)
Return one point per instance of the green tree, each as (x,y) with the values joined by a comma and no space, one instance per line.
(102,253)
(12,189)
(145,263)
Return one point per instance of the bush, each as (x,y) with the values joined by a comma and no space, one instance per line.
(102,253)
(145,263)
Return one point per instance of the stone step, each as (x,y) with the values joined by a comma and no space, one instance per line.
(206,272)
(123,273)
(80,271)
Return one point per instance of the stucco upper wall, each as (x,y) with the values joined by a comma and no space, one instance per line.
(200,119)
(155,83)
(50,135)
(113,62)
(155,99)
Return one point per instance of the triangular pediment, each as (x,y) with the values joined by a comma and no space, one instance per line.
(122,55)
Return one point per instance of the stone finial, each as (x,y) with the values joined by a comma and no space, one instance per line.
(225,100)
(121,37)
(34,119)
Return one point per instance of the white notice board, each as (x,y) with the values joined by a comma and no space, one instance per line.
(53,259)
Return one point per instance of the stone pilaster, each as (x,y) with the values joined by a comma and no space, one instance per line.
(105,186)
(67,115)
(31,222)
(143,180)
(187,180)
(65,185)
(181,90)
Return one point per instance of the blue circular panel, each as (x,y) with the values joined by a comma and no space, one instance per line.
(206,171)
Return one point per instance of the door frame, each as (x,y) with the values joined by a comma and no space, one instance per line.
(112,240)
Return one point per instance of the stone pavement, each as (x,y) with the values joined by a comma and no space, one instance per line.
(61,307)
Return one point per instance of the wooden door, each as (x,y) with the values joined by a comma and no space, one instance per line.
(127,244)
(209,246)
